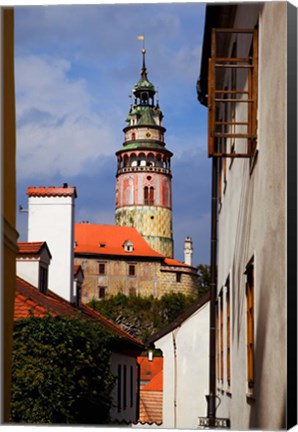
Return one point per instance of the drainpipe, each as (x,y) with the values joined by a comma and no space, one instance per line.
(211,409)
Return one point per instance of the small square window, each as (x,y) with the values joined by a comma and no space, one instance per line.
(132,270)
(102,268)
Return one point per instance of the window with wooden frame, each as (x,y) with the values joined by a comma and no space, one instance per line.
(250,324)
(232,136)
(228,331)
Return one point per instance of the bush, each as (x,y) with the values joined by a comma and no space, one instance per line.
(143,316)
(61,372)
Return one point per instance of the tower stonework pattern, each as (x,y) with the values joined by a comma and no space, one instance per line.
(143,179)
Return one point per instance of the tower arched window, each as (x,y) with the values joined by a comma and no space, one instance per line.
(133,136)
(146,195)
(151,195)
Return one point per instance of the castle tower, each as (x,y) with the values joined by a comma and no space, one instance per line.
(143,179)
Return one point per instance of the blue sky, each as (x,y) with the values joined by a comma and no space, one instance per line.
(75,66)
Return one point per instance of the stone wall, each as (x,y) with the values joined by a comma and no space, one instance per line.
(150,278)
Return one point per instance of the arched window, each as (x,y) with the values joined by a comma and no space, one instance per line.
(133,136)
(146,195)
(151,196)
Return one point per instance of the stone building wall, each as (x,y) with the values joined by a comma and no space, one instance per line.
(150,278)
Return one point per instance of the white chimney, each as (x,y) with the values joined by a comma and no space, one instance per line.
(51,219)
(188,250)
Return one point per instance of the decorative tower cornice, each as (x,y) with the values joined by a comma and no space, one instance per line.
(143,190)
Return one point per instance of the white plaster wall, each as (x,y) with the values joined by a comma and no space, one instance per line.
(252,221)
(129,413)
(186,377)
(28,270)
(51,219)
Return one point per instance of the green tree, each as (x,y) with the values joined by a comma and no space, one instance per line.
(61,372)
(143,316)
(204,278)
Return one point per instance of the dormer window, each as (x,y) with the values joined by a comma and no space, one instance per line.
(128,246)
(102,245)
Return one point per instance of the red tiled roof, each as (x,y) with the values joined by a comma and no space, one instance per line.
(148,369)
(150,407)
(175,263)
(32,248)
(89,237)
(31,302)
(156,384)
(43,191)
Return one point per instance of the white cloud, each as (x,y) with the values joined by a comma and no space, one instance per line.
(57,132)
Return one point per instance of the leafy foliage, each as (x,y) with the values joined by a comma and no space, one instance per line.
(143,316)
(204,278)
(61,372)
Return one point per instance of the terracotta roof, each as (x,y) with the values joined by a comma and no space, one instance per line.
(34,248)
(150,407)
(44,191)
(31,302)
(156,384)
(175,263)
(148,369)
(109,240)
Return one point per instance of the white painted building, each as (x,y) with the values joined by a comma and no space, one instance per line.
(126,391)
(251,359)
(185,349)
(51,219)
(32,264)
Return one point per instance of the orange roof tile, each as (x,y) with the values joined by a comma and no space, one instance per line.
(175,263)
(150,407)
(109,240)
(156,384)
(148,369)
(29,301)
(43,191)
(32,248)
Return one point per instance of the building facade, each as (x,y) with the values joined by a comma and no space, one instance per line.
(51,219)
(184,345)
(117,259)
(143,185)
(244,84)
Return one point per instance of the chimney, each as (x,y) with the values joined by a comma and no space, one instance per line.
(188,250)
(51,219)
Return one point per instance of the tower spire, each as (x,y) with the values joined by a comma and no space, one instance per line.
(144,70)
(143,185)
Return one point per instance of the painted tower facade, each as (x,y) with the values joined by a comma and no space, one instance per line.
(143,179)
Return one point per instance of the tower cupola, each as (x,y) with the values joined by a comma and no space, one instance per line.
(143,186)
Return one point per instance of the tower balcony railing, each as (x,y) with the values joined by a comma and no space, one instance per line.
(144,169)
